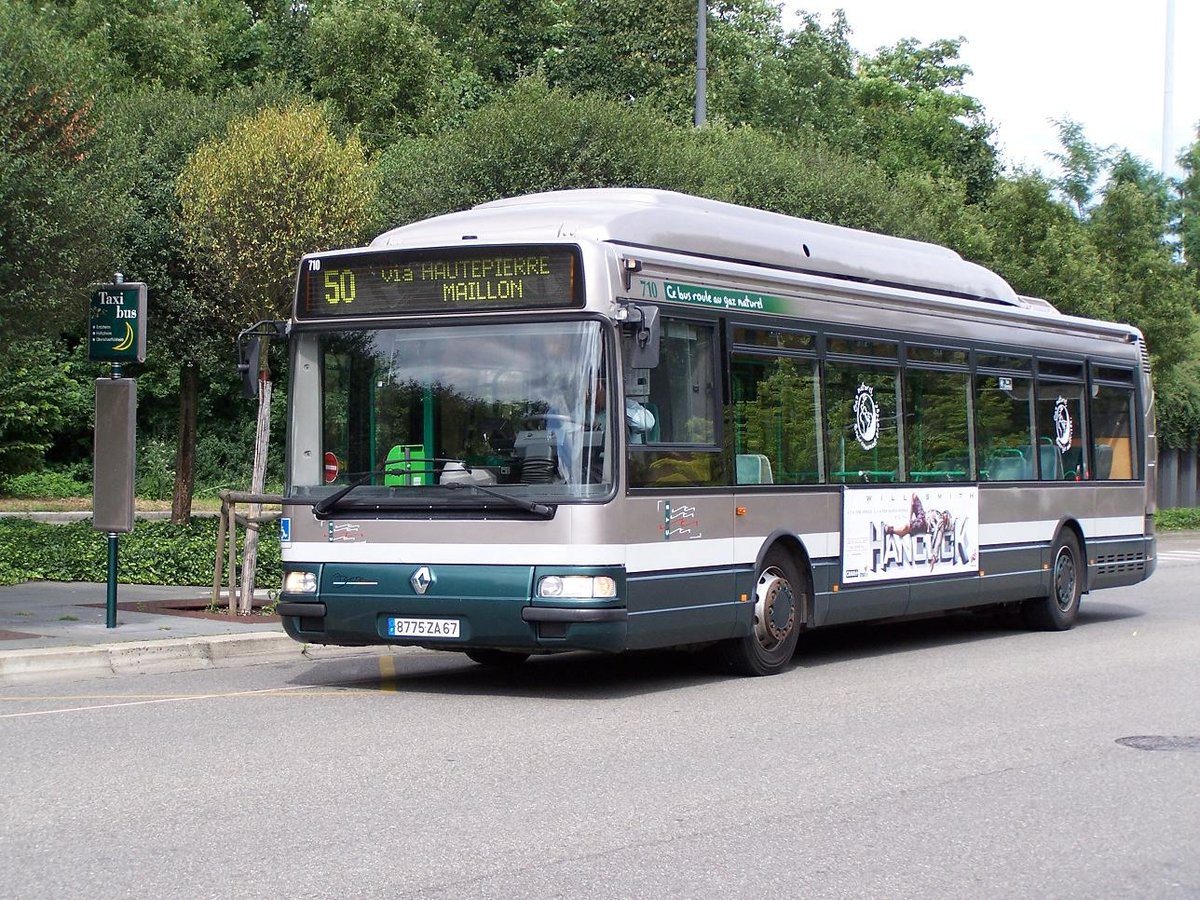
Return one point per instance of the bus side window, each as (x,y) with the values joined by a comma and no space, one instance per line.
(681,448)
(1113,449)
(860,423)
(775,423)
(683,389)
(1003,427)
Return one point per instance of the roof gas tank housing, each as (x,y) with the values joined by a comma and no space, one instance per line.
(657,219)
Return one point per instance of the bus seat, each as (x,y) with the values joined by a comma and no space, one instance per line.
(1051,462)
(654,435)
(1104,459)
(1009,465)
(406,465)
(754,468)
(1072,463)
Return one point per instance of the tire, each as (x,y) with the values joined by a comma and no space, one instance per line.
(781,597)
(497,659)
(1058,610)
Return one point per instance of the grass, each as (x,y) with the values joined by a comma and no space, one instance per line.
(84,504)
(1178,519)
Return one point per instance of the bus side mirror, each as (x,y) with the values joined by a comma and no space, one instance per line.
(249,347)
(641,323)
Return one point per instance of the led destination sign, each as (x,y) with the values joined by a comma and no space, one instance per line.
(390,282)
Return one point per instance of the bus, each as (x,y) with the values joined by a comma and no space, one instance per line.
(616,419)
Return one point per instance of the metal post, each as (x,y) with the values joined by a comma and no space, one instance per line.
(111,605)
(1168,91)
(111,618)
(701,62)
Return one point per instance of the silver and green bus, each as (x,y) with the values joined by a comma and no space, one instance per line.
(619,419)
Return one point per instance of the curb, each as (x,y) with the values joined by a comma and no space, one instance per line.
(149,657)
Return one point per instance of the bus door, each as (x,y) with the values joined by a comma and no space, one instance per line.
(680,552)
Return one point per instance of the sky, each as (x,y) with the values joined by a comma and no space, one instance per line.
(1099,64)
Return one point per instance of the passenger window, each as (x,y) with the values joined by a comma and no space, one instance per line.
(1060,429)
(936,434)
(860,423)
(1114,453)
(1003,432)
(776,426)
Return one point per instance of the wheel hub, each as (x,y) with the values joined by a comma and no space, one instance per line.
(1064,579)
(774,608)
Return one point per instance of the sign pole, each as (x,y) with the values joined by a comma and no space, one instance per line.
(110,620)
(116,334)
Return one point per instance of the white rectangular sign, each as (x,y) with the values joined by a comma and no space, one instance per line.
(909,532)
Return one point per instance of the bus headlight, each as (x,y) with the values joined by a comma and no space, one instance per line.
(300,583)
(577,587)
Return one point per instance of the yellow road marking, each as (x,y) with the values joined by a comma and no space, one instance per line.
(387,673)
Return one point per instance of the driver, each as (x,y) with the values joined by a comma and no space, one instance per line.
(638,419)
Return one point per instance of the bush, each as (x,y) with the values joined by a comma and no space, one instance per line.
(156,552)
(156,470)
(1180,519)
(47,485)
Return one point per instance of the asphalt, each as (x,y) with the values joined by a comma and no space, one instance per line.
(51,630)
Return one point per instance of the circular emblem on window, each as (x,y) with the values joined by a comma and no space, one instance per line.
(1063,427)
(866,417)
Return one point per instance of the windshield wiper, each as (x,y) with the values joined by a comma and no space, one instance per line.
(326,505)
(532,506)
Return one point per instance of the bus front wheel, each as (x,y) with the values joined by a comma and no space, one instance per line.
(1058,609)
(780,602)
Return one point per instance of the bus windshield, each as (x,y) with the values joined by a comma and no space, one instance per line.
(412,416)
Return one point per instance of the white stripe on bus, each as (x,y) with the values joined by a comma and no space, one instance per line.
(1042,531)
(655,555)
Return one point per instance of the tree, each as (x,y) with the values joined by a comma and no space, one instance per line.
(278,185)
(163,128)
(539,139)
(547,139)
(42,393)
(1082,163)
(1043,250)
(61,181)
(799,83)
(198,45)
(1130,229)
(381,68)
(502,39)
(630,51)
(915,117)
(1188,206)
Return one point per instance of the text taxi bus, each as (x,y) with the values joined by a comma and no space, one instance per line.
(620,418)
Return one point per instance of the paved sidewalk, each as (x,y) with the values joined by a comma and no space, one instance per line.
(57,630)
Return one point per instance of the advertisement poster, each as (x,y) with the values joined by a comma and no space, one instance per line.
(910,532)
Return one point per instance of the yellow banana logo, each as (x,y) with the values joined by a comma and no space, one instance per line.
(127,341)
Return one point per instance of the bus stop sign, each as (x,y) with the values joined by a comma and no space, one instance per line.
(117,323)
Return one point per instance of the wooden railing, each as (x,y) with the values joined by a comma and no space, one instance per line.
(227,529)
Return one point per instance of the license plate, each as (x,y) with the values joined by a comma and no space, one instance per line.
(423,628)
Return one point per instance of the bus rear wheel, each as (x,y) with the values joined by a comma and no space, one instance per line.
(780,601)
(1058,610)
(497,659)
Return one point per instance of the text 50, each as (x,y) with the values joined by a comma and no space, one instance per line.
(339,286)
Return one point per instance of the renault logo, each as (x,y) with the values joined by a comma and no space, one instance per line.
(422,579)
